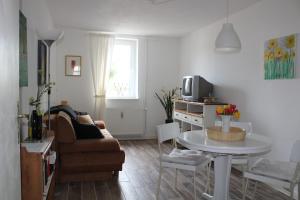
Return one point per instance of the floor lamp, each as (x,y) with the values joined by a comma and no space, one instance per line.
(49,38)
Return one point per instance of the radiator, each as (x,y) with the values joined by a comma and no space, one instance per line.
(125,121)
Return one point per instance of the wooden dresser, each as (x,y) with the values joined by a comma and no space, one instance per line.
(38,169)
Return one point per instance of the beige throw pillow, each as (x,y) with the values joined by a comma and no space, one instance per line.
(85,119)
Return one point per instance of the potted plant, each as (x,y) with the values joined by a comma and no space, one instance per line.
(166,100)
(226,112)
(35,124)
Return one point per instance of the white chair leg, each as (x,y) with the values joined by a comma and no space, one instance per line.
(176,174)
(245,188)
(298,191)
(159,181)
(207,187)
(292,186)
(255,188)
(195,195)
(243,179)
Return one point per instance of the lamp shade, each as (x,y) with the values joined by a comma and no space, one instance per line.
(228,40)
(50,34)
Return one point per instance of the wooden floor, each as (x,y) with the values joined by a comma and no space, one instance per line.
(139,177)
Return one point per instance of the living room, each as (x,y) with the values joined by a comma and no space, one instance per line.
(170,39)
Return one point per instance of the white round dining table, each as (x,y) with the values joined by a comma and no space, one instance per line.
(223,153)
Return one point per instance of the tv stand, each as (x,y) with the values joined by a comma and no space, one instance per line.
(194,115)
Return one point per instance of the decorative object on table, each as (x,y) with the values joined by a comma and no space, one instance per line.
(209,99)
(234,134)
(226,112)
(73,65)
(280,58)
(166,100)
(23,64)
(228,40)
(35,124)
(42,63)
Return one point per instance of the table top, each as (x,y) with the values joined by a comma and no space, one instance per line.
(198,140)
(38,146)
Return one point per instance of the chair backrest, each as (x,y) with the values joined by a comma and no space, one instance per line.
(247,126)
(295,155)
(167,131)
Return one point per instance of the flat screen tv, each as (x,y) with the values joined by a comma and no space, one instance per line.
(194,88)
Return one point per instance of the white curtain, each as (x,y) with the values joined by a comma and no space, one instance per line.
(101,47)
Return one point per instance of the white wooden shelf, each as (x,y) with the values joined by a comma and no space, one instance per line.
(194,115)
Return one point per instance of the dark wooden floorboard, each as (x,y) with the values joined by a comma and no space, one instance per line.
(74,192)
(138,180)
(88,191)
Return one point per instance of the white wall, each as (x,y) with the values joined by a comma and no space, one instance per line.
(77,90)
(38,18)
(158,68)
(271,105)
(162,70)
(9,80)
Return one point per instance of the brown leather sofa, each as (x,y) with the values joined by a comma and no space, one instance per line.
(85,159)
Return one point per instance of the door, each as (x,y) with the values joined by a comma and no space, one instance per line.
(9,94)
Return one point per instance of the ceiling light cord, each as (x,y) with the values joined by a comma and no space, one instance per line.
(227,10)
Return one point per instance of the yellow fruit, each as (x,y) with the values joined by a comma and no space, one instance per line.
(236,115)
(226,106)
(219,109)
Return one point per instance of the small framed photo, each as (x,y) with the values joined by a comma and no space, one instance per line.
(73,65)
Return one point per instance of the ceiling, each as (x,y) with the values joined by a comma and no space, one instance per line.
(142,17)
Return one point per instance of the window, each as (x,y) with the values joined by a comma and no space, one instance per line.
(123,74)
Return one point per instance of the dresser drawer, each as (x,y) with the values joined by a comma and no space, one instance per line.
(186,118)
(177,115)
(182,116)
(197,120)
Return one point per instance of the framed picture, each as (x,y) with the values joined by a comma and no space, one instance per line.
(23,60)
(280,58)
(42,63)
(73,65)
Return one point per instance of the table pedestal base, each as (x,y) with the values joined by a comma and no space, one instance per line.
(222,166)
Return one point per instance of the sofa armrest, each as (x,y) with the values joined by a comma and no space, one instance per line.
(100,124)
(65,130)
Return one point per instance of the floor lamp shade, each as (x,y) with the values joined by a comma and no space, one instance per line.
(228,40)
(50,34)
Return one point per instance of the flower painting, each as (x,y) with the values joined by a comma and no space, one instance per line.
(280,58)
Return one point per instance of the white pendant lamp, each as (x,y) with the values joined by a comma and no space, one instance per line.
(228,40)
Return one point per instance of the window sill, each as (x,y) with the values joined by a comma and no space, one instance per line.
(122,98)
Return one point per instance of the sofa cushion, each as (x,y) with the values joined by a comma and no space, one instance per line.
(65,108)
(100,124)
(106,144)
(85,119)
(87,131)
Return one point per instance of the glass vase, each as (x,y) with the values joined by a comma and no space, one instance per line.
(225,123)
(36,125)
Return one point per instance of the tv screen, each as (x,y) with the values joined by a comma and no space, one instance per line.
(194,88)
(187,86)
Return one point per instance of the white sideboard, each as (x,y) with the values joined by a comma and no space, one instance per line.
(194,115)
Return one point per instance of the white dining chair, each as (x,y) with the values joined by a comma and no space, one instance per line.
(180,159)
(276,173)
